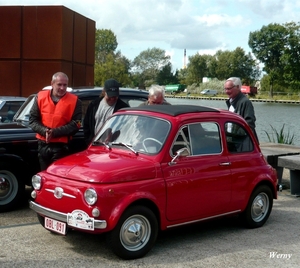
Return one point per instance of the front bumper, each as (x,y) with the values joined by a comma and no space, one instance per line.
(53,214)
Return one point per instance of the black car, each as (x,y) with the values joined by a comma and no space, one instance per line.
(18,145)
(9,105)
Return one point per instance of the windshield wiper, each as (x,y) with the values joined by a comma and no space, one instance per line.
(107,145)
(129,146)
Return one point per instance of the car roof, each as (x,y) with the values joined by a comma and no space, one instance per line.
(14,98)
(88,91)
(172,110)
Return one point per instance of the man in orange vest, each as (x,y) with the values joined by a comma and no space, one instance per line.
(55,116)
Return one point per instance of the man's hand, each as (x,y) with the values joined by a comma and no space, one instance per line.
(48,135)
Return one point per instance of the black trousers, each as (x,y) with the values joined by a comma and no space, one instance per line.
(50,152)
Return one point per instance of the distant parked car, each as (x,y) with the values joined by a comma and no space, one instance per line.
(156,167)
(212,92)
(9,106)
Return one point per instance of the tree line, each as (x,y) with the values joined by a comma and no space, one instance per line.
(276,47)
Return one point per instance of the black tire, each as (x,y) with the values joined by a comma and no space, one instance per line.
(12,188)
(135,234)
(259,207)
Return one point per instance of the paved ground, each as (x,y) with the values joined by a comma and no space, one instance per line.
(220,243)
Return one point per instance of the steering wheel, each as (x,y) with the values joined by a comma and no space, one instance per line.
(150,139)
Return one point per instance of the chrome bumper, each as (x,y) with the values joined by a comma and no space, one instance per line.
(53,214)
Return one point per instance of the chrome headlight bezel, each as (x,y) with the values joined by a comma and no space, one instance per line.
(36,182)
(90,196)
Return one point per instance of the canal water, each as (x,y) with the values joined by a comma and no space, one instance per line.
(267,114)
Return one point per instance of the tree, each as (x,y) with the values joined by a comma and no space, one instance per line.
(268,45)
(197,69)
(115,66)
(165,76)
(291,57)
(108,63)
(105,43)
(148,64)
(235,63)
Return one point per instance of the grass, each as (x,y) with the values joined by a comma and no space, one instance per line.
(280,136)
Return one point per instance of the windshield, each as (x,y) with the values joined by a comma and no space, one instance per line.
(141,133)
(24,111)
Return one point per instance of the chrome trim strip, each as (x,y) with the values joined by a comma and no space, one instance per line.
(98,224)
(208,218)
(64,194)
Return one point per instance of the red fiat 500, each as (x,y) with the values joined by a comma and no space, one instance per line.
(155,167)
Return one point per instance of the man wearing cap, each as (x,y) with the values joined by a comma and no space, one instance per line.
(100,109)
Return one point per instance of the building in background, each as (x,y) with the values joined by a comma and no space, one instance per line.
(37,41)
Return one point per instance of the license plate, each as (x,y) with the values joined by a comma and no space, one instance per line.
(55,226)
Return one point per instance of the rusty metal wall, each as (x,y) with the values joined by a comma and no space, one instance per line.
(37,41)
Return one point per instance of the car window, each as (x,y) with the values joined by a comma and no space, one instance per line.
(198,138)
(181,141)
(131,101)
(9,109)
(237,138)
(205,138)
(141,133)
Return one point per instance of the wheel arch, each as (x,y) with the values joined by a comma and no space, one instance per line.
(19,166)
(123,206)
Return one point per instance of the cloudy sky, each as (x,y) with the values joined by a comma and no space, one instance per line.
(199,26)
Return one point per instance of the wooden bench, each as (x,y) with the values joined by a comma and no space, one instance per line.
(272,152)
(292,162)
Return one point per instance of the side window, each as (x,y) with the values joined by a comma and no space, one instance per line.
(181,141)
(237,138)
(205,138)
(133,101)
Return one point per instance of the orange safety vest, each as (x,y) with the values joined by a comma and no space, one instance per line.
(54,116)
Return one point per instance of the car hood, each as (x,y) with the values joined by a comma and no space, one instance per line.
(103,167)
(11,125)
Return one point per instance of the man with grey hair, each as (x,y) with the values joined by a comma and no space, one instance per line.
(239,102)
(55,116)
(156,96)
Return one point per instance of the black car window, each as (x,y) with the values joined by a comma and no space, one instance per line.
(9,109)
(237,138)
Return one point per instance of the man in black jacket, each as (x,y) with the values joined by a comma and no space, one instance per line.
(239,102)
(100,109)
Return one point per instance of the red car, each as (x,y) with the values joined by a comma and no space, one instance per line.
(156,167)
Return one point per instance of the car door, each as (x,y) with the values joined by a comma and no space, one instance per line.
(198,185)
(243,159)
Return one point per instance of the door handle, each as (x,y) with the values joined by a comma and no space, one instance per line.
(225,164)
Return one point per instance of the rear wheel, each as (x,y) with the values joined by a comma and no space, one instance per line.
(259,207)
(12,189)
(135,234)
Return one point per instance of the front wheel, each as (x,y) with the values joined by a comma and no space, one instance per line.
(135,234)
(12,189)
(259,207)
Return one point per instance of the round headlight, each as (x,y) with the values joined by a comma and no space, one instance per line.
(36,182)
(90,196)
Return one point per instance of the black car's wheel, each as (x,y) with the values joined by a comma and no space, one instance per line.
(259,207)
(12,189)
(135,233)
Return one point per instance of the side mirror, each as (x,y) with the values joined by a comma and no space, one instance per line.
(180,153)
